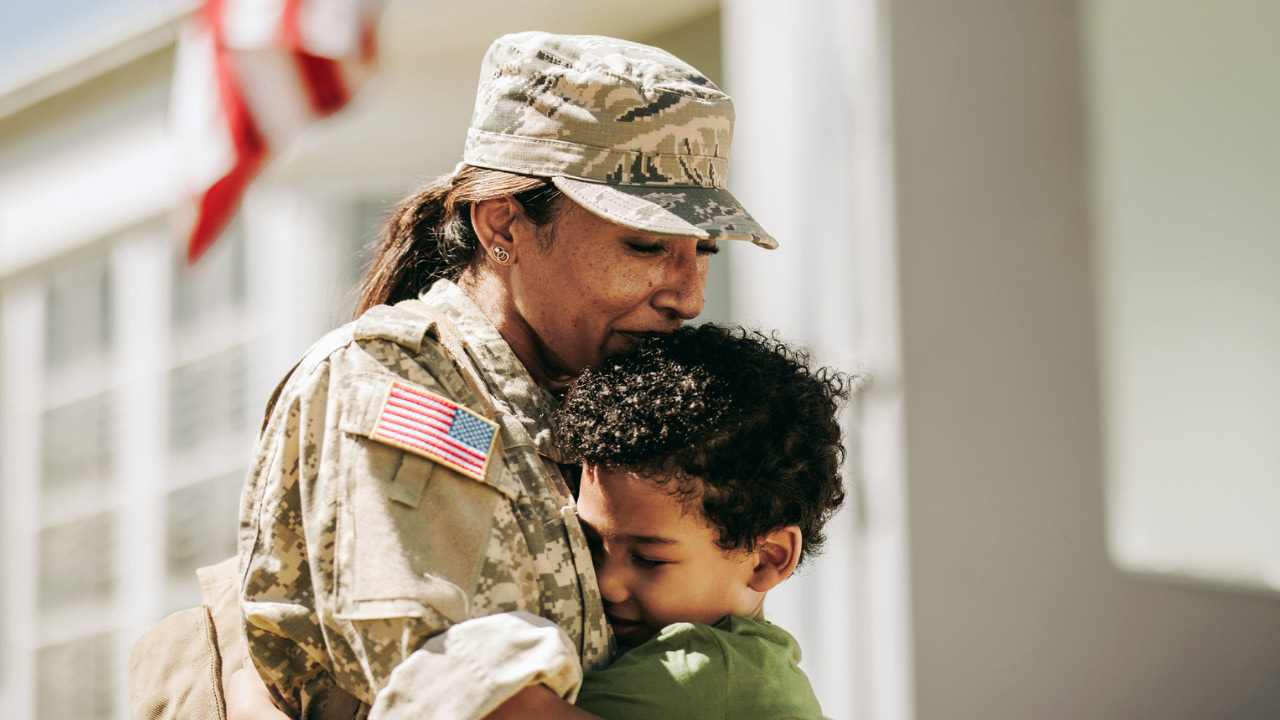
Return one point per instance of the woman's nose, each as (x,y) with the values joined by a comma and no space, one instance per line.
(684,286)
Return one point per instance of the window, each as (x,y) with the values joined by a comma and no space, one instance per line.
(75,679)
(77,561)
(216,284)
(208,399)
(355,254)
(201,521)
(78,324)
(77,444)
(75,497)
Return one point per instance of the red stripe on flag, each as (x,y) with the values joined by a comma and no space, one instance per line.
(218,204)
(413,416)
(428,426)
(414,405)
(321,77)
(369,43)
(430,445)
(442,446)
(399,389)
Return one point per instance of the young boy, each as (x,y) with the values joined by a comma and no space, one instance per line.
(711,460)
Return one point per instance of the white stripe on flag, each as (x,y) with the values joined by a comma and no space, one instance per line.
(284,88)
(203,149)
(277,101)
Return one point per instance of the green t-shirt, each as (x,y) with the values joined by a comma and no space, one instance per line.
(740,668)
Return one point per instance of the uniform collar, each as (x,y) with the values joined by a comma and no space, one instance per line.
(507,379)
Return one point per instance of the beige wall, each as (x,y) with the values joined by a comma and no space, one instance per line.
(1017,611)
(1184,103)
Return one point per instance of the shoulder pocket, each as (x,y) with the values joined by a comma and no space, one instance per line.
(420,500)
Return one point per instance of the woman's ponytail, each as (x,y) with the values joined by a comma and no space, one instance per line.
(429,235)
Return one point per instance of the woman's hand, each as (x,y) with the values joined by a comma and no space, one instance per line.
(535,702)
(248,697)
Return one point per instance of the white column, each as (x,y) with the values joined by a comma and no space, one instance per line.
(812,160)
(140,283)
(21,373)
(287,236)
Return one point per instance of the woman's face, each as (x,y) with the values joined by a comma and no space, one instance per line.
(597,288)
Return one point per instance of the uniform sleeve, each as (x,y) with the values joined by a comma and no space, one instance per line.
(361,560)
(468,670)
(681,673)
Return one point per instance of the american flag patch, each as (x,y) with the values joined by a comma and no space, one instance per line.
(437,428)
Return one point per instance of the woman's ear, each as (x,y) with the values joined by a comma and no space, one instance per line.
(777,555)
(493,221)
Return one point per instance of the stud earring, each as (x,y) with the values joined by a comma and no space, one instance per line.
(501,255)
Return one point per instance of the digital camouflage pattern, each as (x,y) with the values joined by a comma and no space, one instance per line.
(628,131)
(355,553)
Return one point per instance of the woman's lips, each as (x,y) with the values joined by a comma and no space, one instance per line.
(631,338)
(627,340)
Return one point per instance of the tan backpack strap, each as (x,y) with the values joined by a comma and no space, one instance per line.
(220,592)
(451,338)
(175,671)
(178,668)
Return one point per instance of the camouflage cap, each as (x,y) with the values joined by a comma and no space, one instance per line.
(628,131)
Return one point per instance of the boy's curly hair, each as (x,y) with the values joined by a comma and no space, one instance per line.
(723,415)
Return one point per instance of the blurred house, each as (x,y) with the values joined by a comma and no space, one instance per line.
(926,168)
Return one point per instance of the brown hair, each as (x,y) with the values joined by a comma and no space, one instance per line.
(429,235)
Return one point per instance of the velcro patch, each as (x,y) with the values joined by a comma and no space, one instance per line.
(437,428)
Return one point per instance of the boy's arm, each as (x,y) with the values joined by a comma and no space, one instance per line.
(248,699)
(537,702)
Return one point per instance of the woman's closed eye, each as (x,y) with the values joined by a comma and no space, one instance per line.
(704,249)
(646,248)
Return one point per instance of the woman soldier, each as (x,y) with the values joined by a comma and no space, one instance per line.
(405,510)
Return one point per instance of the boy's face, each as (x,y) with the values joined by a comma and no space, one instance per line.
(656,563)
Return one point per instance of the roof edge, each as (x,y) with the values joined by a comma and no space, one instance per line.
(99,54)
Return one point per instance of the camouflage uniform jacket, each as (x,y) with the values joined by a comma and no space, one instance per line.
(359,558)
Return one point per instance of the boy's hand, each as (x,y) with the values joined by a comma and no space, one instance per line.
(536,702)
(248,697)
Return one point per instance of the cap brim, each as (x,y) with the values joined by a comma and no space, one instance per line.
(696,212)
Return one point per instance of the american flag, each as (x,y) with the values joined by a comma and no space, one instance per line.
(249,77)
(436,427)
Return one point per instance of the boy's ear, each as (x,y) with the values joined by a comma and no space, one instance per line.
(776,557)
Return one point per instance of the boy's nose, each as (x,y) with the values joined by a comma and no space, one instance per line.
(612,588)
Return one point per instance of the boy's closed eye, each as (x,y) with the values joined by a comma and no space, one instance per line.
(596,546)
(649,563)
